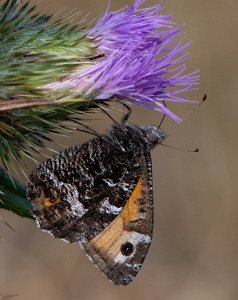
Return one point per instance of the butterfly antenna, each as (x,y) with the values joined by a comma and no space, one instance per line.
(173,129)
(181,149)
(188,114)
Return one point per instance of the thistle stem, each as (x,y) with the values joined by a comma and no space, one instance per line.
(27,103)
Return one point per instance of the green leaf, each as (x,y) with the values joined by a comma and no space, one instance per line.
(13,196)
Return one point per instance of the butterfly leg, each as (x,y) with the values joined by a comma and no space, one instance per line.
(127,115)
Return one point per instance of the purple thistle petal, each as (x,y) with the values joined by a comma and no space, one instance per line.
(141,63)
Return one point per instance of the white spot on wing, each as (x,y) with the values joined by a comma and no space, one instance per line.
(109,182)
(76,208)
(136,267)
(125,186)
(135,238)
(106,207)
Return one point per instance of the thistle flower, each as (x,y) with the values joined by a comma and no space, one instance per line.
(137,60)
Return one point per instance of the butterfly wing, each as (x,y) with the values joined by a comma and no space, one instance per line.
(100,197)
(120,249)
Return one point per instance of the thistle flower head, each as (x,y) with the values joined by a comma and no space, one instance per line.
(138,60)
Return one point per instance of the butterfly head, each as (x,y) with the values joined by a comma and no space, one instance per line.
(153,136)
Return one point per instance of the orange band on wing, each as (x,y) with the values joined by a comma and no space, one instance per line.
(113,234)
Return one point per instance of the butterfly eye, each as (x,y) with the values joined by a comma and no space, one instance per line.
(51,201)
(152,137)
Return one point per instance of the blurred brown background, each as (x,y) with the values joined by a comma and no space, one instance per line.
(194,253)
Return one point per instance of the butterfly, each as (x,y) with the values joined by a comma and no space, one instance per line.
(100,196)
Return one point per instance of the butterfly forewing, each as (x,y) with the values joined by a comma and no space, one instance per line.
(93,183)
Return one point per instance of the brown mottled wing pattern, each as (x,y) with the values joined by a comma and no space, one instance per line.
(120,249)
(99,195)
